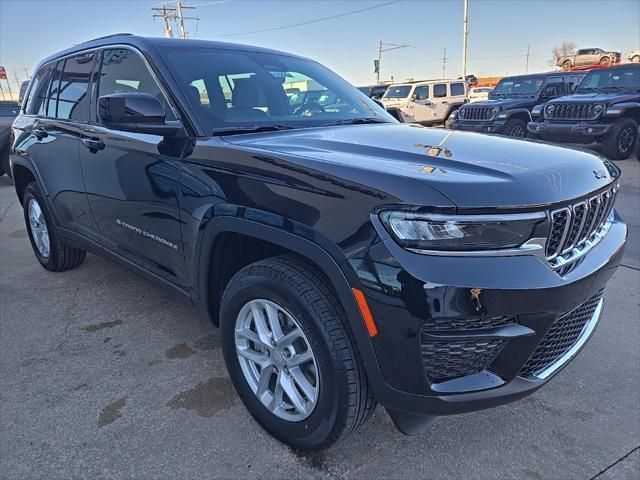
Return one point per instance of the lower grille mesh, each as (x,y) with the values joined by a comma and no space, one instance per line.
(447,360)
(562,335)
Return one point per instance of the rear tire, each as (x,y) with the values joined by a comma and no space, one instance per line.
(342,400)
(515,128)
(621,140)
(4,163)
(46,241)
(605,61)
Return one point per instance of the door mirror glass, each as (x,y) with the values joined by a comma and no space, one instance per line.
(136,112)
(119,108)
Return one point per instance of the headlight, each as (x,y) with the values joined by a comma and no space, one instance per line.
(549,109)
(494,111)
(461,232)
(461,113)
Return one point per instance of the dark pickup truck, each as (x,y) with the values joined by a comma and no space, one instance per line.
(348,259)
(508,109)
(605,108)
(8,112)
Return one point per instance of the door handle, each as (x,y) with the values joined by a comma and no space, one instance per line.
(39,132)
(93,144)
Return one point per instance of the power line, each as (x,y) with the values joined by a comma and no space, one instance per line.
(282,27)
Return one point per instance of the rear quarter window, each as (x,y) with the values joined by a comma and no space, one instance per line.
(36,103)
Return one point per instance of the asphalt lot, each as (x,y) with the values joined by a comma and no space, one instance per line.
(104,376)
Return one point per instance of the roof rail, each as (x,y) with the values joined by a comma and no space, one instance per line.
(108,36)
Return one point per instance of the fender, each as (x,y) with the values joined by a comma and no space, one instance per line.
(515,112)
(619,109)
(328,260)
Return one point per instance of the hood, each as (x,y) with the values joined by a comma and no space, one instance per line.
(598,97)
(472,170)
(507,103)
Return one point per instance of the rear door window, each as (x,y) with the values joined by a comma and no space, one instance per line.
(440,90)
(54,88)
(73,97)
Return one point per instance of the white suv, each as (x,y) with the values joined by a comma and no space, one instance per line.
(428,102)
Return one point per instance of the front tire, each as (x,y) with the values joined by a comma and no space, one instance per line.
(605,61)
(515,128)
(635,59)
(46,241)
(566,64)
(621,139)
(308,392)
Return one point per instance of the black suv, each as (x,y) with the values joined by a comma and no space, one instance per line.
(508,109)
(605,108)
(347,258)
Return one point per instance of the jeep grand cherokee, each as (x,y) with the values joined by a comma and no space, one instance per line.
(347,258)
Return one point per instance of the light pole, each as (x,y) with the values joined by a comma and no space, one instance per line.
(384,47)
(464,42)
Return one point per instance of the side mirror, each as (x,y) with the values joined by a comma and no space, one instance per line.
(414,97)
(136,112)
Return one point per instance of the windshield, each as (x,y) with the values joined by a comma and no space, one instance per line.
(232,89)
(614,79)
(518,86)
(398,91)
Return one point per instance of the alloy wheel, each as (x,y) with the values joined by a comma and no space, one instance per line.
(39,230)
(517,131)
(277,360)
(625,140)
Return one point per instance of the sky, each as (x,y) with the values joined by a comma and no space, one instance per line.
(500,31)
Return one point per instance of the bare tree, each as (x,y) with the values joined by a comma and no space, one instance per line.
(564,49)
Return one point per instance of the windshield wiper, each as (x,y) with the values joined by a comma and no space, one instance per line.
(354,121)
(250,129)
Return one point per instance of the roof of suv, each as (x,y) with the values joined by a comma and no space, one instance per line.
(146,43)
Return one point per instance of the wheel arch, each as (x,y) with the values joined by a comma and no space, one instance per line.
(520,114)
(23,175)
(302,241)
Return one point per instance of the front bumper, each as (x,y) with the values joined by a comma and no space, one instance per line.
(492,126)
(409,293)
(569,132)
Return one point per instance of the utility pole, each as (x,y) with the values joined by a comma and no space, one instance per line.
(444,61)
(167,14)
(464,43)
(174,14)
(15,75)
(384,47)
(526,69)
(182,18)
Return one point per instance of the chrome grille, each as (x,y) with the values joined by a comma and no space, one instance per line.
(573,111)
(573,226)
(475,113)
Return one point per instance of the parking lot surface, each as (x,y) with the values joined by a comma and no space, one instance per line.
(104,376)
